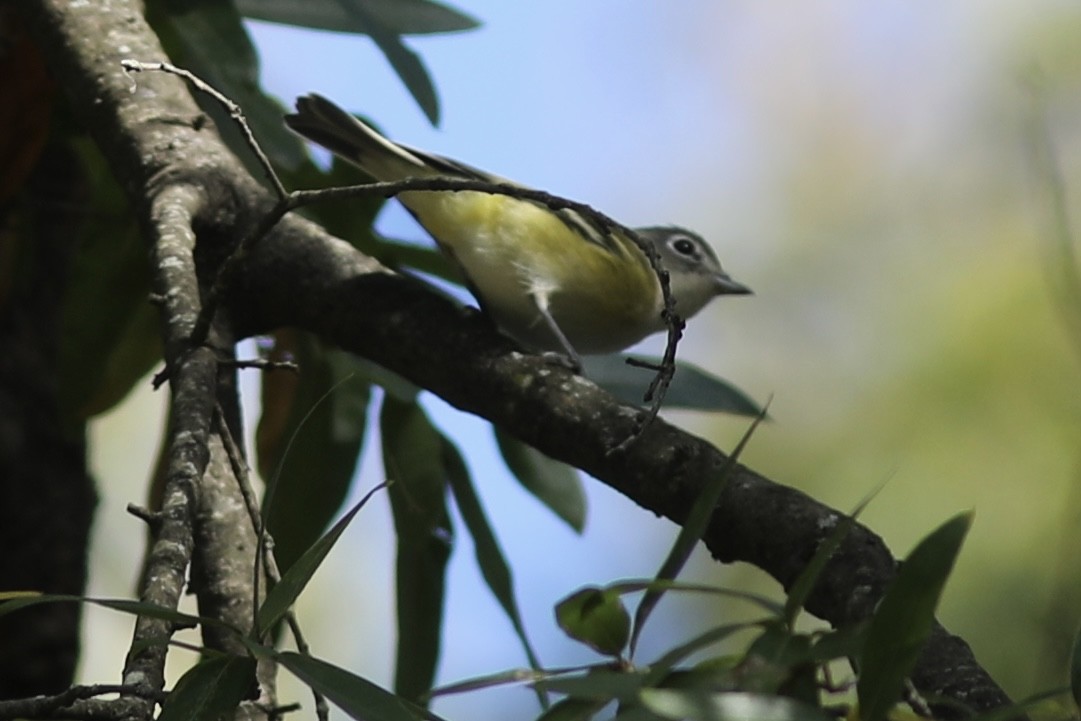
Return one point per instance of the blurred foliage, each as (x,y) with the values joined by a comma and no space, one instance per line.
(782,674)
(912,335)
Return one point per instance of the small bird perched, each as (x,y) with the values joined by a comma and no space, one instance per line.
(553,280)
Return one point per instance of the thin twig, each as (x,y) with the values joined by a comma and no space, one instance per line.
(264,551)
(915,701)
(135,66)
(264,365)
(151,518)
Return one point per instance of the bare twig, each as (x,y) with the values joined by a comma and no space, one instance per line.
(264,365)
(135,66)
(151,518)
(264,553)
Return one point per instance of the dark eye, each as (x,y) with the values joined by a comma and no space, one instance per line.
(684,246)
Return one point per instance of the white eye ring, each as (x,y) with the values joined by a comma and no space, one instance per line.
(683,245)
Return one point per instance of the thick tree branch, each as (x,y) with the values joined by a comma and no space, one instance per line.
(181,182)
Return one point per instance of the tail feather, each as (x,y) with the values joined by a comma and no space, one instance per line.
(322,122)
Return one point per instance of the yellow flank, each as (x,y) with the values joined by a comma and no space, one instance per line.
(510,249)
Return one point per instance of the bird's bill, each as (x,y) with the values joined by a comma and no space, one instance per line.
(727,286)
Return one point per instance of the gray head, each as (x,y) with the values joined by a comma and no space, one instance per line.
(694,272)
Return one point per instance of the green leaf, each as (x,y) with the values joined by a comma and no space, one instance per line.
(405,17)
(692,388)
(597,618)
(905,618)
(697,705)
(358,697)
(309,438)
(412,17)
(781,664)
(840,643)
(501,678)
(407,64)
(413,455)
(573,709)
(14,595)
(600,684)
(208,38)
(21,599)
(286,591)
(690,532)
(555,484)
(109,336)
(493,565)
(635,585)
(660,668)
(211,689)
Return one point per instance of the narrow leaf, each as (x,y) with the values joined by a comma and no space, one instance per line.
(555,484)
(357,696)
(414,461)
(285,593)
(697,705)
(573,709)
(407,64)
(211,689)
(660,668)
(691,532)
(413,17)
(905,617)
(843,642)
(22,599)
(493,565)
(502,678)
(659,584)
(405,17)
(310,436)
(692,388)
(208,38)
(599,684)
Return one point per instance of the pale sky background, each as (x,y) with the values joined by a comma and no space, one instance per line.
(861,166)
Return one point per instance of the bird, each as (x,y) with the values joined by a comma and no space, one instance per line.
(553,279)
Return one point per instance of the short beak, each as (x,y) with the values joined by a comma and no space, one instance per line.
(727,286)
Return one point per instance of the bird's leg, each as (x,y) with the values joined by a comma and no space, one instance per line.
(569,358)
